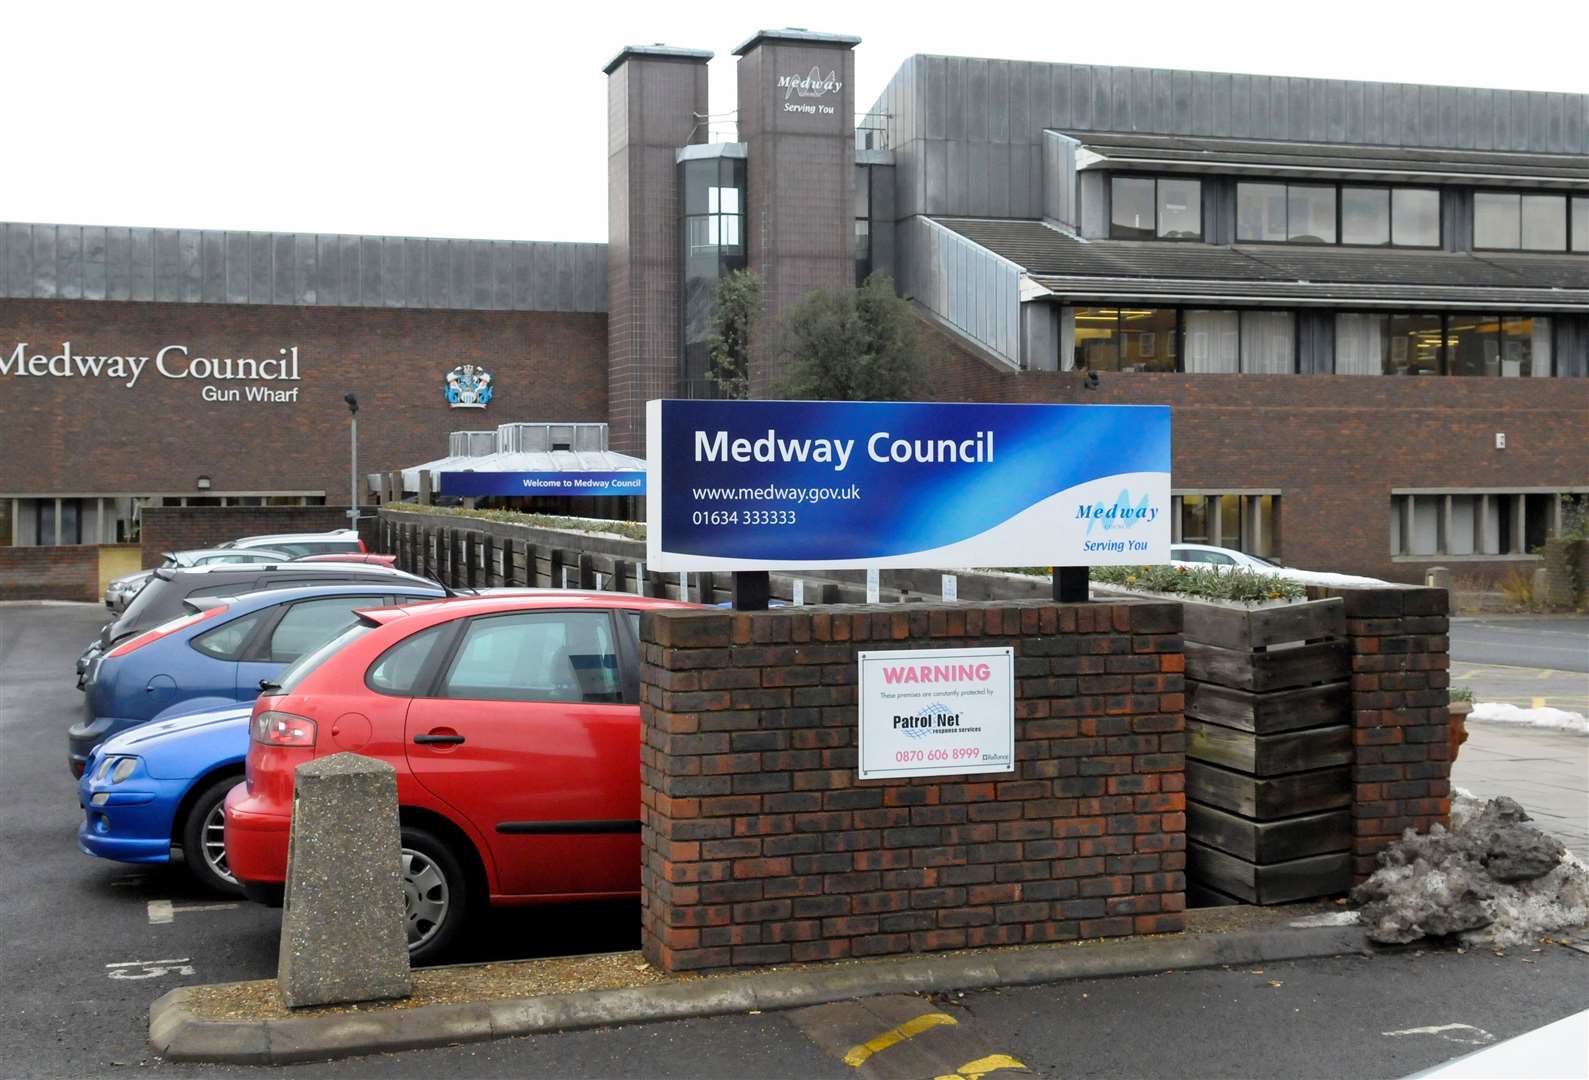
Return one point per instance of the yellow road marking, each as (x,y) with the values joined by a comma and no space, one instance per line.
(1538,703)
(909,1029)
(976,1070)
(1545,674)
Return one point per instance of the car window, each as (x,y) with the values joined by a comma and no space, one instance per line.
(226,642)
(1187,555)
(309,624)
(634,623)
(293,550)
(1218,558)
(295,672)
(399,667)
(537,656)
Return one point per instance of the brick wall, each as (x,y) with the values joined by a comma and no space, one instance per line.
(75,434)
(67,572)
(182,528)
(1334,445)
(761,847)
(1401,676)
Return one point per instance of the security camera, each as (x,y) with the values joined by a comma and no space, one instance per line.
(353,403)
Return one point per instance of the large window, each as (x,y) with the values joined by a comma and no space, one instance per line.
(1247,521)
(713,235)
(1366,215)
(1125,339)
(1459,344)
(1155,208)
(1506,221)
(863,223)
(1579,225)
(1475,523)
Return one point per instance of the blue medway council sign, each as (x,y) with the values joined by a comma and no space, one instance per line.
(476,484)
(765,485)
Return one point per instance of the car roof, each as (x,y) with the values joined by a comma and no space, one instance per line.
(199,553)
(1207,547)
(267,597)
(265,539)
(372,569)
(524,600)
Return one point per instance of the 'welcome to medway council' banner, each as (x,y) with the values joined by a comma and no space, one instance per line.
(766,485)
(469,483)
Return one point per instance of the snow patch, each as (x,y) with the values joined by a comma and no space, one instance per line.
(1492,879)
(1328,918)
(1557,719)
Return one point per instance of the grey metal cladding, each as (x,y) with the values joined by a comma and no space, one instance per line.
(44,270)
(95,262)
(70,262)
(190,263)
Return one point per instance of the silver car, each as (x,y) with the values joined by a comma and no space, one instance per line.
(119,593)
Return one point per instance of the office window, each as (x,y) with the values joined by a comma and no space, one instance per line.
(1213,341)
(1544,223)
(1131,208)
(1475,524)
(863,223)
(1145,208)
(1412,345)
(1268,343)
(1365,216)
(1507,222)
(1473,345)
(1243,521)
(1125,339)
(1580,222)
(1415,217)
(713,238)
(1310,214)
(1359,343)
(1261,212)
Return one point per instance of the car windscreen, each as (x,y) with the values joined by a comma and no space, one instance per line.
(302,667)
(142,611)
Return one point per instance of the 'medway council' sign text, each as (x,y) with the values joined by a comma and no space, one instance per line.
(171,362)
(768,485)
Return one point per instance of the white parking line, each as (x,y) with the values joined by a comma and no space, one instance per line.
(164,911)
(152,969)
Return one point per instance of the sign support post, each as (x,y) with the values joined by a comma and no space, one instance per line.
(1070,584)
(752,588)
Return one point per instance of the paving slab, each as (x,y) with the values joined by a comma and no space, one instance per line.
(1546,771)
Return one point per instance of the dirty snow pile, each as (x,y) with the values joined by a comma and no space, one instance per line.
(1491,879)
(1500,713)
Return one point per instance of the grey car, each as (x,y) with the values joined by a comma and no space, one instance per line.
(119,593)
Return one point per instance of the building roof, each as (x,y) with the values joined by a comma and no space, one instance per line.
(97,262)
(1280,160)
(798,36)
(657,52)
(1180,271)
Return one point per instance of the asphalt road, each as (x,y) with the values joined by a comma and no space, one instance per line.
(1555,644)
(75,927)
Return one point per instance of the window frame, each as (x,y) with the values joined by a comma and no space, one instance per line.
(1445,317)
(1202,225)
(1339,241)
(1566,198)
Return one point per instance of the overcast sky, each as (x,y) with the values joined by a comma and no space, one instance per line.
(488,120)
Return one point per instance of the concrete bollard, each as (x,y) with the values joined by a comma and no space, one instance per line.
(1437,577)
(343,935)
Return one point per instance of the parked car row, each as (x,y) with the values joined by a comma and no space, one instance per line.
(512,719)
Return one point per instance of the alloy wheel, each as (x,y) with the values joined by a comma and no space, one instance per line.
(425,897)
(214,844)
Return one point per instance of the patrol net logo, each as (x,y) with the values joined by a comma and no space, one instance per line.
(924,722)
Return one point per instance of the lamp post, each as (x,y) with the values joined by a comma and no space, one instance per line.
(353,459)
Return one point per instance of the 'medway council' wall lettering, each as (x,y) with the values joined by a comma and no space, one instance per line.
(172,362)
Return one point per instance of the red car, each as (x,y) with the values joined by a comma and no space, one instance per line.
(514,725)
(351,556)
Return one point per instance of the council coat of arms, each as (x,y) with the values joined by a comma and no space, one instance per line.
(468,387)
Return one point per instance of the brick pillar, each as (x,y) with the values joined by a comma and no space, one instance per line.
(759,846)
(1399,646)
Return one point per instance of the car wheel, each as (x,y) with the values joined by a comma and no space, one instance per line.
(435,896)
(204,839)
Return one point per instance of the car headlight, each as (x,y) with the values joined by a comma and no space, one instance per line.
(123,769)
(104,767)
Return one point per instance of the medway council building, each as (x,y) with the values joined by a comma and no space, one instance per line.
(1367,303)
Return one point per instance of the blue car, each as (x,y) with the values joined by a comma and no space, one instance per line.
(160,786)
(216,655)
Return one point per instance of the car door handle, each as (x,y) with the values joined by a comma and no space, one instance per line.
(426,740)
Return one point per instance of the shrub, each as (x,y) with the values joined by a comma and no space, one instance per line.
(1461,693)
(1246,586)
(633,530)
